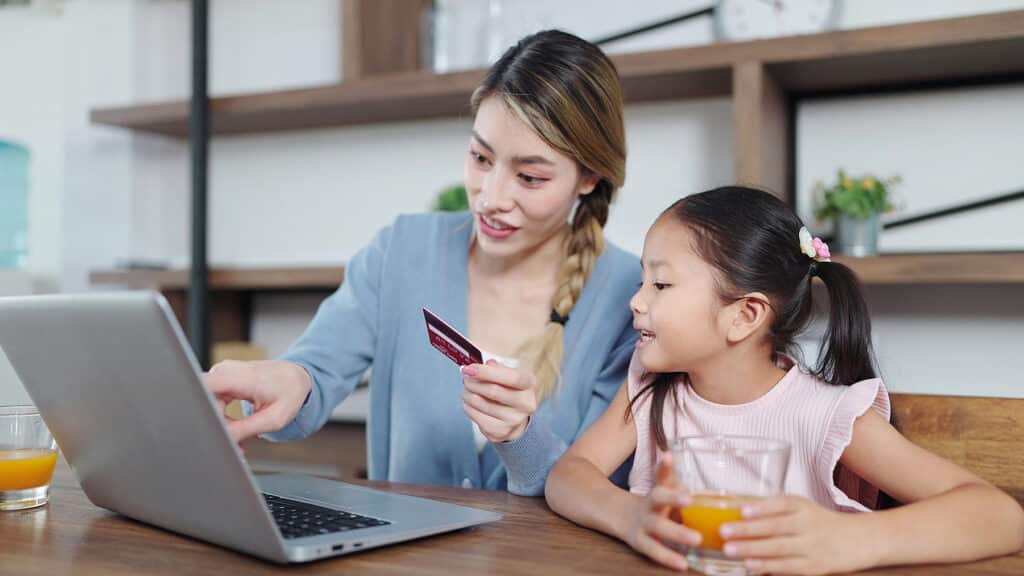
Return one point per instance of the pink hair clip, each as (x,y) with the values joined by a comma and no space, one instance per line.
(813,247)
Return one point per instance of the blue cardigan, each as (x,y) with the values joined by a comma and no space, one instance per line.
(417,431)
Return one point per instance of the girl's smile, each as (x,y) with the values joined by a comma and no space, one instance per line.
(646,336)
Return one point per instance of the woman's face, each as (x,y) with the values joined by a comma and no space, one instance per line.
(520,189)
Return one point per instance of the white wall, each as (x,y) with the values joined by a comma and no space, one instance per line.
(950,339)
(255,46)
(283,198)
(100,203)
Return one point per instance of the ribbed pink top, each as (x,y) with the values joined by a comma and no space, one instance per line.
(814,417)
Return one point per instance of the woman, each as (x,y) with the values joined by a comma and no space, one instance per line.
(526,274)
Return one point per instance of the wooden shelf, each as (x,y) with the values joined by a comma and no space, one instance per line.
(950,268)
(231,291)
(966,49)
(926,268)
(227,279)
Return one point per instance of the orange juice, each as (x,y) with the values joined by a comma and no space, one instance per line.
(708,512)
(24,469)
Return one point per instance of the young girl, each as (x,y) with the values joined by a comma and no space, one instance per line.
(726,286)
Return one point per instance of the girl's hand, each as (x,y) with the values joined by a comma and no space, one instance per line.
(654,525)
(499,399)
(794,535)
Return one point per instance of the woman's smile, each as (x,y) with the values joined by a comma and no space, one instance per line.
(494,228)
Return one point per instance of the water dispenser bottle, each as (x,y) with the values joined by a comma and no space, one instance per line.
(13,205)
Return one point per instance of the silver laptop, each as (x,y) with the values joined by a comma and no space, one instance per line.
(117,384)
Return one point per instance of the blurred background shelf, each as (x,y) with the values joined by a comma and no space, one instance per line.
(239,279)
(964,49)
(939,268)
(231,290)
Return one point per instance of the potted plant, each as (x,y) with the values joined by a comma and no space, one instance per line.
(452,199)
(855,204)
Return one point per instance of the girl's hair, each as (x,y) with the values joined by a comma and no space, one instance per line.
(751,239)
(568,92)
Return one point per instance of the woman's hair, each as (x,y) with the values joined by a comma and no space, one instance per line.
(568,92)
(751,239)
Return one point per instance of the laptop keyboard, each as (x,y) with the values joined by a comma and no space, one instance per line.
(299,519)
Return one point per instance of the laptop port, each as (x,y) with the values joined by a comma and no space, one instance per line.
(357,545)
(337,547)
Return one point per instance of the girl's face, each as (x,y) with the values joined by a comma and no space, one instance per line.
(677,309)
(520,189)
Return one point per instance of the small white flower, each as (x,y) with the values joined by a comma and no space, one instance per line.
(807,243)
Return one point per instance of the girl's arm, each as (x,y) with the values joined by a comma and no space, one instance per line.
(951,515)
(580,478)
(578,488)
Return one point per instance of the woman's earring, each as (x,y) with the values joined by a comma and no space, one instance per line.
(572,211)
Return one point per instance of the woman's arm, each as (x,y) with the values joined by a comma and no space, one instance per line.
(292,397)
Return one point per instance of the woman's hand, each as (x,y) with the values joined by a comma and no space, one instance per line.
(794,535)
(275,388)
(499,399)
(654,527)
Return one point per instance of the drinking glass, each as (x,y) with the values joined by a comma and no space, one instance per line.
(28,456)
(724,473)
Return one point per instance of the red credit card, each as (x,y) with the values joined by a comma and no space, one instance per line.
(450,342)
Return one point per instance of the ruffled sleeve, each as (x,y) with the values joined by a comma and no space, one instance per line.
(849,492)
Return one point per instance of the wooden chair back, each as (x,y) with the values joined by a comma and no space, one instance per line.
(984,435)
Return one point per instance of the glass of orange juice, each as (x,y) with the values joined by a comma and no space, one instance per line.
(28,456)
(722,474)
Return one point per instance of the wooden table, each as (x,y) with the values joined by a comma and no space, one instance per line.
(71,536)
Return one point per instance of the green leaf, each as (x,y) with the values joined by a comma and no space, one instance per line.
(452,199)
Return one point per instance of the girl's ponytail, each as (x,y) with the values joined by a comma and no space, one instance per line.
(846,355)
